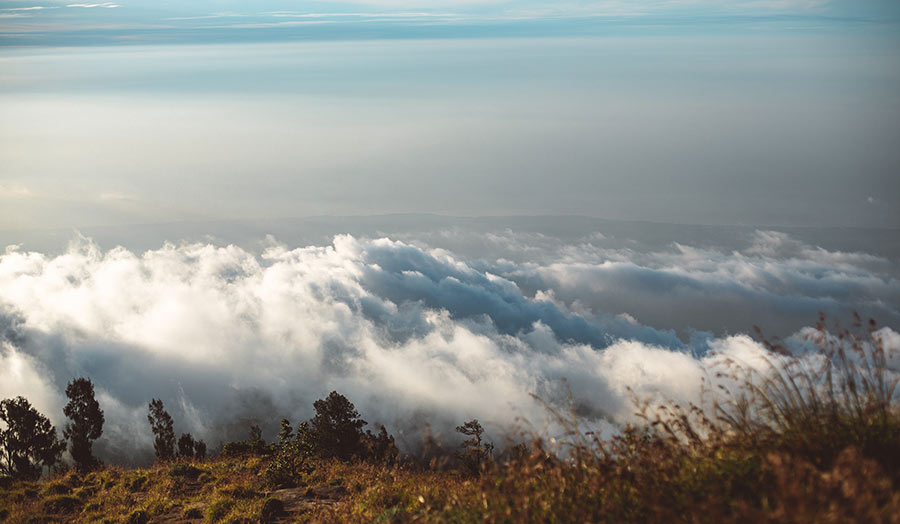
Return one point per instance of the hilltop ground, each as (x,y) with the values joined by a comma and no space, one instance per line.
(650,481)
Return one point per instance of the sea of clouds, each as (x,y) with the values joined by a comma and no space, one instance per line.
(415,329)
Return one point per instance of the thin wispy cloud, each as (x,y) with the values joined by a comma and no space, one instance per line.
(15,190)
(108,5)
(33,8)
(559,18)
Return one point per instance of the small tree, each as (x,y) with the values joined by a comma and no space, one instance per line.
(305,438)
(200,450)
(186,446)
(87,423)
(474,452)
(163,431)
(337,428)
(255,434)
(290,456)
(381,447)
(286,431)
(28,441)
(256,442)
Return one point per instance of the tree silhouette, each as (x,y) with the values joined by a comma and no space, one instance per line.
(186,446)
(28,441)
(474,452)
(255,434)
(87,423)
(286,432)
(163,431)
(381,447)
(336,428)
(200,450)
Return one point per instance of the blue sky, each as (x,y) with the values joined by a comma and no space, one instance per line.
(127,21)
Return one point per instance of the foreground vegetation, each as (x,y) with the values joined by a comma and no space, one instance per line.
(805,440)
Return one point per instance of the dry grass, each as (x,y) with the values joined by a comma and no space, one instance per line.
(804,441)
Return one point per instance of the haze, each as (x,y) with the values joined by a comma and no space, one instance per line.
(763,113)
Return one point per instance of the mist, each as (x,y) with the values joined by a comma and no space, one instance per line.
(756,129)
(412,332)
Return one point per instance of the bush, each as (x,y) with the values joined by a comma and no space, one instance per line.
(272,509)
(62,504)
(475,453)
(242,448)
(184,470)
(138,483)
(138,516)
(218,510)
(57,488)
(85,492)
(288,465)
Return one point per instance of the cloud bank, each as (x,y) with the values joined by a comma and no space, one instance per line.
(410,333)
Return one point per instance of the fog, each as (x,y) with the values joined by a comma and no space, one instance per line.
(410,331)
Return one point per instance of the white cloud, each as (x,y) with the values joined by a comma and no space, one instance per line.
(14,190)
(409,334)
(108,5)
(33,8)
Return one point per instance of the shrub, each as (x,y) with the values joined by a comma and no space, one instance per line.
(474,454)
(193,512)
(237,449)
(138,516)
(288,465)
(272,509)
(184,470)
(186,445)
(381,447)
(218,510)
(85,492)
(138,483)
(199,450)
(57,488)
(62,504)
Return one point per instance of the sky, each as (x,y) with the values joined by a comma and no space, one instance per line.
(436,208)
(726,112)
